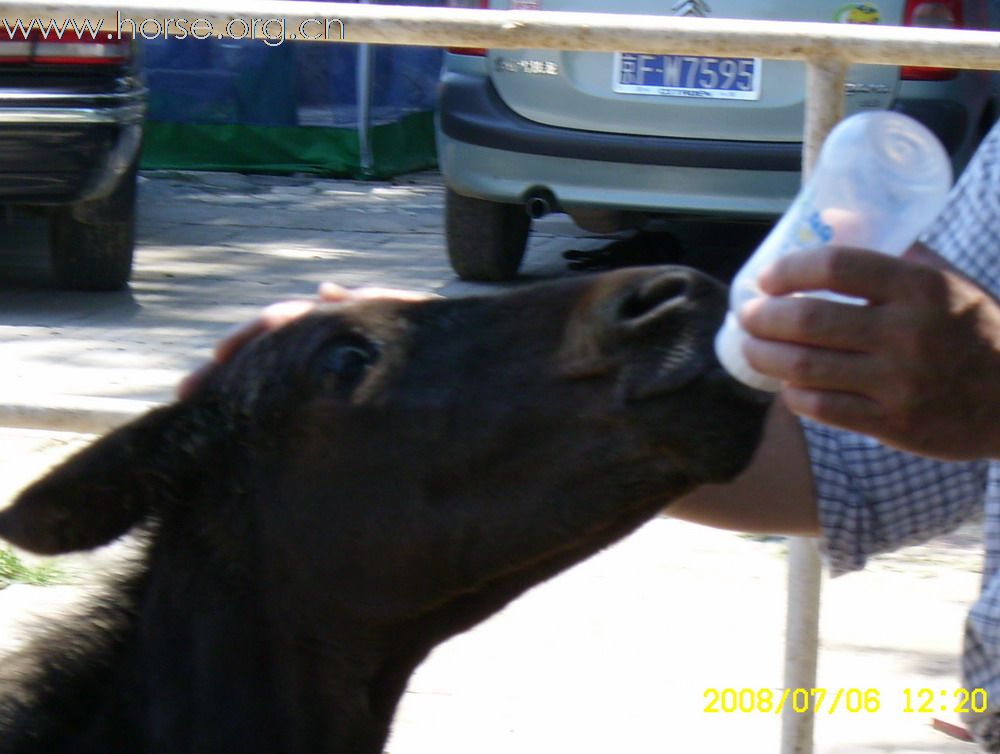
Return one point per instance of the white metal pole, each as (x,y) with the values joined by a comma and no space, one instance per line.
(824,107)
(801,643)
(363,92)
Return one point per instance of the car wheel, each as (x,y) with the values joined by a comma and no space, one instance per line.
(93,242)
(486,240)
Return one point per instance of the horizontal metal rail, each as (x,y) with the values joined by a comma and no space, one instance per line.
(515,29)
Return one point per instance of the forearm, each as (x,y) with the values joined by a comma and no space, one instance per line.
(773,495)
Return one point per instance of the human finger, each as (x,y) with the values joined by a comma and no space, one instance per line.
(270,318)
(851,411)
(236,338)
(851,272)
(810,321)
(805,366)
(280,314)
(191,382)
(335,292)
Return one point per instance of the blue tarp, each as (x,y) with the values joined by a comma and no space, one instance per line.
(293,84)
(248,97)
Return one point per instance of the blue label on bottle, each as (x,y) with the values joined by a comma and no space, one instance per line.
(812,231)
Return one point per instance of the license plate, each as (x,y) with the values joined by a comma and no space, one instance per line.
(687,76)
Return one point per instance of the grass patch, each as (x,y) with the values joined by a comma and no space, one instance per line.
(15,571)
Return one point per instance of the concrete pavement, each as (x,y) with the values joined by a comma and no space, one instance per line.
(616,655)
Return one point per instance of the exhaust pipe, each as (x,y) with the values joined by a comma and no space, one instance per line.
(539,204)
(537,207)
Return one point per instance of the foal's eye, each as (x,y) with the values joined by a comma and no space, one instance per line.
(342,363)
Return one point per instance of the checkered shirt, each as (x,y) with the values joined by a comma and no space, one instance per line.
(873,499)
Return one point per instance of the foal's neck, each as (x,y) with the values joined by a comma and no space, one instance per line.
(238,669)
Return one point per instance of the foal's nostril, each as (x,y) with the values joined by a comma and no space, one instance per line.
(653,294)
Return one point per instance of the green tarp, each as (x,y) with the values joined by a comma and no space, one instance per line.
(399,147)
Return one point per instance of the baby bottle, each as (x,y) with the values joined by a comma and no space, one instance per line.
(880,179)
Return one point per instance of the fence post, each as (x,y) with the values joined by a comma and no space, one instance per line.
(363,91)
(824,107)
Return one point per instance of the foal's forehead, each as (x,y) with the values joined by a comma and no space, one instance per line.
(374,318)
(388,320)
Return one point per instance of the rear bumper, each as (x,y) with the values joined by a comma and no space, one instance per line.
(68,144)
(487,150)
(574,184)
(472,112)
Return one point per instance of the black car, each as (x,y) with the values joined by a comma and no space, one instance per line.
(71,112)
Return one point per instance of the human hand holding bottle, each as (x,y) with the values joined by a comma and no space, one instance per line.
(881,177)
(917,368)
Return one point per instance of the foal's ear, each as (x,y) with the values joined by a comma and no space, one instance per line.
(102,491)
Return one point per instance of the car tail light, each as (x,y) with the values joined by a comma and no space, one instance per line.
(937,15)
(482,4)
(55,46)
(12,49)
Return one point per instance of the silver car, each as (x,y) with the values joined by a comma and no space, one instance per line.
(616,138)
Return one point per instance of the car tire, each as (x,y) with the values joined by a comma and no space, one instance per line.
(486,240)
(93,242)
